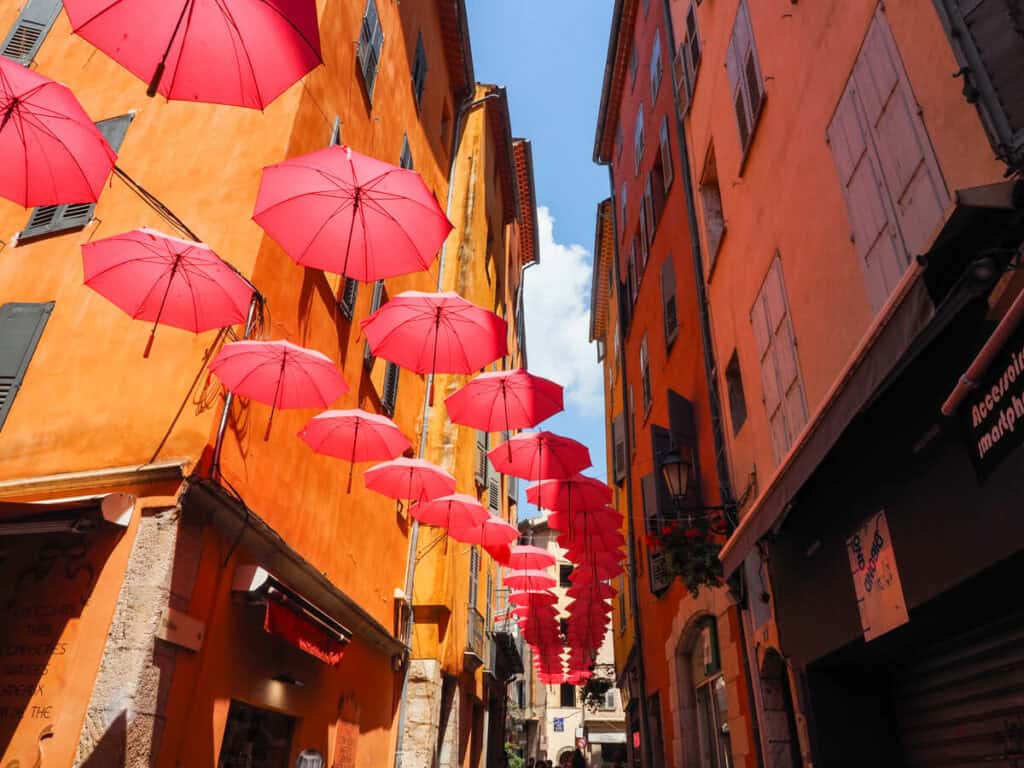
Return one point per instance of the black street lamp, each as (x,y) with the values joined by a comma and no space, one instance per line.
(676,468)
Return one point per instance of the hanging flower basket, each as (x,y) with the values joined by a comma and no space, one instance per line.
(692,550)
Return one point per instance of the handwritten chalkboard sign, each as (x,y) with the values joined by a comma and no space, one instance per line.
(875,578)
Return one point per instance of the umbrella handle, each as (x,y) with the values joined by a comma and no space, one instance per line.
(270,423)
(149,344)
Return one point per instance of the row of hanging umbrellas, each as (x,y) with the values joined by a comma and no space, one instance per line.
(339,211)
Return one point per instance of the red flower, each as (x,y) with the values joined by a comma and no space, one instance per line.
(692,533)
(667,530)
(652,541)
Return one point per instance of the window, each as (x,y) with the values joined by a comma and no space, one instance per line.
(632,421)
(744,76)
(608,700)
(891,180)
(21,326)
(54,219)
(251,731)
(493,490)
(622,224)
(335,139)
(567,695)
(480,470)
(643,236)
(656,68)
(634,64)
(375,302)
(781,386)
(668,301)
(737,401)
(634,275)
(405,157)
(564,572)
(347,299)
(709,695)
(600,350)
(986,38)
(645,375)
(638,140)
(474,575)
(389,395)
(687,62)
(647,6)
(419,70)
(664,166)
(711,204)
(371,39)
(512,488)
(29,30)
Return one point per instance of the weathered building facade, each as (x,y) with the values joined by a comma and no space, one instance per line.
(853,186)
(136,574)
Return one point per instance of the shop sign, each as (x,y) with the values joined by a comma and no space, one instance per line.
(876,578)
(178,628)
(559,724)
(993,414)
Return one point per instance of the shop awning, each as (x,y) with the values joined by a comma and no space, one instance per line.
(902,328)
(596,737)
(288,572)
(298,629)
(79,515)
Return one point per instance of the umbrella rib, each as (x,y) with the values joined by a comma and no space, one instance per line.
(96,15)
(323,225)
(239,42)
(43,128)
(383,211)
(181,50)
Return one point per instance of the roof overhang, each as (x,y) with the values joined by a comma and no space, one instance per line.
(458,54)
(500,125)
(604,244)
(620,40)
(927,299)
(265,547)
(529,247)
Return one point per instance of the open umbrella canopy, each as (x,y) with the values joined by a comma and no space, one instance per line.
(343,212)
(530,579)
(435,333)
(540,456)
(239,52)
(531,597)
(593,572)
(600,538)
(592,591)
(491,532)
(354,435)
(51,152)
(573,494)
(497,401)
(586,522)
(163,279)
(414,479)
(528,557)
(456,511)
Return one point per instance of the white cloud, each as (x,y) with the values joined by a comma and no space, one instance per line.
(557,296)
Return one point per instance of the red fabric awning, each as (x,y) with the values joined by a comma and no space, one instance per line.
(304,634)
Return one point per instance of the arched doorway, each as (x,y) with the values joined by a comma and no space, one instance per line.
(703,705)
(779,719)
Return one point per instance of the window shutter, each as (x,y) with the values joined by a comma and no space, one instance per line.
(667,170)
(681,80)
(668,299)
(347,304)
(908,164)
(52,219)
(405,158)
(335,139)
(480,470)
(29,30)
(655,66)
(659,570)
(419,70)
(619,448)
(371,39)
(375,301)
(389,397)
(21,326)
(494,493)
(512,487)
(638,140)
(474,574)
(744,75)
(988,44)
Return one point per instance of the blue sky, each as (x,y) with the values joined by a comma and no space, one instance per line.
(550,56)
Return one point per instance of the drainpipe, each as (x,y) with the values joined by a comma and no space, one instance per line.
(714,401)
(414,533)
(634,598)
(218,442)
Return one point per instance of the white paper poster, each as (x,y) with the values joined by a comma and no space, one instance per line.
(876,578)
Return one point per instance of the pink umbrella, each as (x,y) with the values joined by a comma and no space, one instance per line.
(535,596)
(530,579)
(503,400)
(586,521)
(239,52)
(163,279)
(409,479)
(435,333)
(602,538)
(573,494)
(280,374)
(491,532)
(540,456)
(51,152)
(354,215)
(592,590)
(528,557)
(458,510)
(354,435)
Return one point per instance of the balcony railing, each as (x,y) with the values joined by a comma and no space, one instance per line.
(476,636)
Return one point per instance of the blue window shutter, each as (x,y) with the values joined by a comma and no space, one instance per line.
(21,325)
(29,30)
(53,219)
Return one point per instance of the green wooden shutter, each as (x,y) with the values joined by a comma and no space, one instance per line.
(21,325)
(480,470)
(29,30)
(53,219)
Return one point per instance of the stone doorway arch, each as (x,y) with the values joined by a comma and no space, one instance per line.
(779,722)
